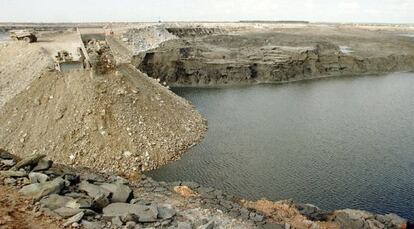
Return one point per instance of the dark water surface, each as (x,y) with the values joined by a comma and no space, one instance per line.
(336,143)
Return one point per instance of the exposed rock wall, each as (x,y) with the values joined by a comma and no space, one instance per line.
(188,65)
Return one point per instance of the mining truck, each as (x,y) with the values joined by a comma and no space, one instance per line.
(23,35)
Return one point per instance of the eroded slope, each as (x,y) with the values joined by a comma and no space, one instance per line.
(108,122)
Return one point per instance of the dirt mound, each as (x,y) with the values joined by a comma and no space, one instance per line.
(20,63)
(117,122)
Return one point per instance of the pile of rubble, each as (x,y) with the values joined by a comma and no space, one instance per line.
(100,56)
(82,198)
(92,200)
(143,39)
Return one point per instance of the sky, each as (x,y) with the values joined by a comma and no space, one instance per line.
(375,11)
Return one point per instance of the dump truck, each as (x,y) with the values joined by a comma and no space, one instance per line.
(23,35)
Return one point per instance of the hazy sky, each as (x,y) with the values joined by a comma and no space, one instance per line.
(392,11)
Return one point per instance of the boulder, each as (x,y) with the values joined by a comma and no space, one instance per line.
(38,177)
(40,190)
(185,191)
(5,155)
(74,219)
(10,181)
(55,201)
(146,214)
(28,161)
(165,212)
(66,212)
(100,202)
(43,165)
(117,221)
(120,193)
(92,225)
(82,203)
(92,190)
(396,220)
(349,218)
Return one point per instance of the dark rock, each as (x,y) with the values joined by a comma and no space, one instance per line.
(43,165)
(29,161)
(120,193)
(100,202)
(91,177)
(311,212)
(71,178)
(74,219)
(130,217)
(38,177)
(176,183)
(40,190)
(6,155)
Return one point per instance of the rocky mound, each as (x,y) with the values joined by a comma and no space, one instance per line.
(115,122)
(95,200)
(20,64)
(89,199)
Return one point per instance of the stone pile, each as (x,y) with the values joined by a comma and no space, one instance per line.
(92,200)
(143,39)
(87,199)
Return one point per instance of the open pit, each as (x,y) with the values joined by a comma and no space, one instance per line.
(103,112)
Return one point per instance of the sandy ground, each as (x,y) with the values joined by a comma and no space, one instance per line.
(16,212)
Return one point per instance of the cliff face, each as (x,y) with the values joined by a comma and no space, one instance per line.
(232,59)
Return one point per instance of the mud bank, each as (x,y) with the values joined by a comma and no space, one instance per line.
(283,55)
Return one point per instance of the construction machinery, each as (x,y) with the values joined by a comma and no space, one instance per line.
(23,35)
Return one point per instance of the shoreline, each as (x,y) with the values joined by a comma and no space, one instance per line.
(174,204)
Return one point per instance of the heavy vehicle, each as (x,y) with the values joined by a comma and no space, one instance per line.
(23,35)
